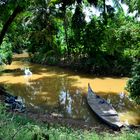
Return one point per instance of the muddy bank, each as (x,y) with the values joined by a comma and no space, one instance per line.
(55,120)
(52,118)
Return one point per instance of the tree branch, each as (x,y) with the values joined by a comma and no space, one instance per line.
(17,10)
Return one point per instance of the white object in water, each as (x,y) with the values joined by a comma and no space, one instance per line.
(27,72)
(108,100)
(126,123)
(122,95)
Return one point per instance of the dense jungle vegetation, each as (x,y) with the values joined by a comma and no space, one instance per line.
(57,32)
(69,33)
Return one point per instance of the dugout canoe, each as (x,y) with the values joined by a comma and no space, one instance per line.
(103,109)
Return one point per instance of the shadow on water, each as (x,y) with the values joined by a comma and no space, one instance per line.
(20,58)
(14,72)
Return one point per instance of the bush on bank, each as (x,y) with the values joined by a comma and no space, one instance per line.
(133,84)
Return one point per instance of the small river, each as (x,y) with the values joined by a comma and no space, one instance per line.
(60,91)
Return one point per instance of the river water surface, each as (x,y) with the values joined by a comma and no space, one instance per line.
(60,91)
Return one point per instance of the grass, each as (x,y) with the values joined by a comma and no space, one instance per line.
(14,127)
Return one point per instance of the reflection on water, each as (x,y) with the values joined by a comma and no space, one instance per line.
(55,90)
(66,101)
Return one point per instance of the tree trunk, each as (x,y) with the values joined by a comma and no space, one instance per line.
(65,31)
(8,22)
(104,13)
(66,36)
(104,6)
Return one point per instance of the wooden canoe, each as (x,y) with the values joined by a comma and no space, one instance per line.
(103,109)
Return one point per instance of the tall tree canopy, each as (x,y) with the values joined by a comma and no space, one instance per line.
(53,29)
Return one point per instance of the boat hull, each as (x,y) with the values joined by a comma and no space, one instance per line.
(103,109)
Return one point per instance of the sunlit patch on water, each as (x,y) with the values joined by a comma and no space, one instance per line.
(130,117)
(58,91)
(129,112)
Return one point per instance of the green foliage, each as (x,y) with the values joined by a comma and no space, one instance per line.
(133,84)
(5,53)
(78,24)
(134,5)
(78,19)
(48,58)
(59,26)
(44,29)
(16,127)
(105,49)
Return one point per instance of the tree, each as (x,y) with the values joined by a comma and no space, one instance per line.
(9,10)
(16,11)
(134,5)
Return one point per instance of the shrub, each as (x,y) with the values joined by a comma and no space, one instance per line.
(5,53)
(133,84)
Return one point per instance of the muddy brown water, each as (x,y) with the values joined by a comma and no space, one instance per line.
(62,92)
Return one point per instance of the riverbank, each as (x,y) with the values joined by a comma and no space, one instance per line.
(86,65)
(59,92)
(16,126)
(61,86)
(56,119)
